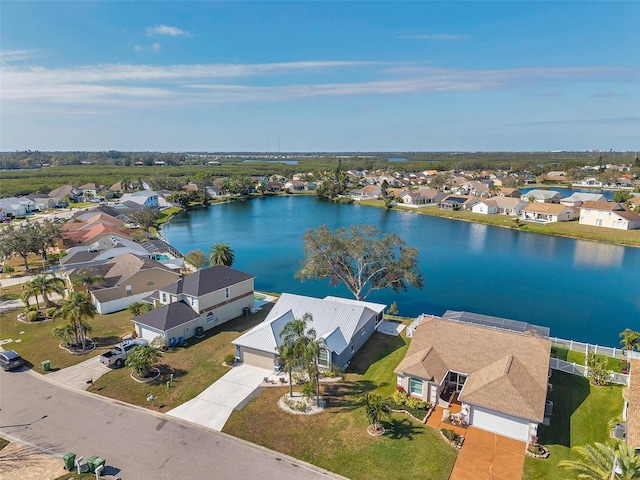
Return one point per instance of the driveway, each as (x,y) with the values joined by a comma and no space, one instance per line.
(213,406)
(79,376)
(487,456)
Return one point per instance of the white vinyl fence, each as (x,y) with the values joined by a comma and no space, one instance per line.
(587,348)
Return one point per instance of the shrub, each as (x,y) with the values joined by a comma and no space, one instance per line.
(452,436)
(33,315)
(416,403)
(400,397)
(49,312)
(230,359)
(300,406)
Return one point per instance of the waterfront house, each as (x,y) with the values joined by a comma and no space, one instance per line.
(458,202)
(101,251)
(367,192)
(342,326)
(509,192)
(576,199)
(500,205)
(142,198)
(608,215)
(412,197)
(589,182)
(542,196)
(631,409)
(549,212)
(499,376)
(127,279)
(486,207)
(206,298)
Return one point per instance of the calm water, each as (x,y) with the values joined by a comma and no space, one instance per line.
(581,290)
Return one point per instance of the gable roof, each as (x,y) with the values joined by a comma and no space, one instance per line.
(608,206)
(62,191)
(335,320)
(206,281)
(507,371)
(546,194)
(552,208)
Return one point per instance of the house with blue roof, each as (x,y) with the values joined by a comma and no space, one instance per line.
(342,326)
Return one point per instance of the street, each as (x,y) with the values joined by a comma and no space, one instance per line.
(137,444)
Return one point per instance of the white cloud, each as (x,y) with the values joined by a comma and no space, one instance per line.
(433,36)
(154,47)
(166,30)
(12,56)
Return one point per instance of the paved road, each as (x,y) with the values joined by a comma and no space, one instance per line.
(137,444)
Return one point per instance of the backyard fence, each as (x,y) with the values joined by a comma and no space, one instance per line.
(583,371)
(588,348)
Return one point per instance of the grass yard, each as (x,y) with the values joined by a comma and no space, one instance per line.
(194,368)
(581,415)
(615,364)
(37,344)
(337,439)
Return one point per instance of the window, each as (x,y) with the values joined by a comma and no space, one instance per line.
(128,289)
(226,292)
(415,386)
(210,317)
(164,298)
(323,357)
(353,347)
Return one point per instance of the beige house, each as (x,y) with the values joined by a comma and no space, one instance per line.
(127,279)
(199,301)
(549,212)
(608,215)
(499,376)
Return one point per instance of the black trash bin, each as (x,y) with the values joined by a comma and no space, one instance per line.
(199,332)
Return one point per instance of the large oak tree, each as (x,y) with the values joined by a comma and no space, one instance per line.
(360,258)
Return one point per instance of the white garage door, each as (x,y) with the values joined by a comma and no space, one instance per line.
(149,333)
(257,358)
(500,423)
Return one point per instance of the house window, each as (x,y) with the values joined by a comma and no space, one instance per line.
(128,289)
(415,386)
(353,348)
(323,358)
(164,298)
(226,292)
(210,317)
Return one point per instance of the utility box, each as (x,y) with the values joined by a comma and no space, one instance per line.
(69,460)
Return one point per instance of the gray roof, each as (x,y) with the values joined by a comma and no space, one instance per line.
(167,316)
(335,320)
(207,281)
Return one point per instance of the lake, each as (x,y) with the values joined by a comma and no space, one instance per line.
(582,290)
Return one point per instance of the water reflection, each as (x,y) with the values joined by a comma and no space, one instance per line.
(477,237)
(598,254)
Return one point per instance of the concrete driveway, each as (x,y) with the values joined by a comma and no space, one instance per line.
(78,375)
(213,406)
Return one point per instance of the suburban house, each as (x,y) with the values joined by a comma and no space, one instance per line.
(205,299)
(342,326)
(43,202)
(61,194)
(101,251)
(412,197)
(18,206)
(143,198)
(127,279)
(542,196)
(549,212)
(631,409)
(509,192)
(367,192)
(589,182)
(499,376)
(609,215)
(90,191)
(500,205)
(3,213)
(458,202)
(576,199)
(431,195)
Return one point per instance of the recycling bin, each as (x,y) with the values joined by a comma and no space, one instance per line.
(69,460)
(46,365)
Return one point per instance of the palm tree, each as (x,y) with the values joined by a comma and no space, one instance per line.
(142,358)
(138,308)
(629,340)
(86,279)
(77,309)
(290,359)
(43,284)
(375,408)
(221,254)
(599,462)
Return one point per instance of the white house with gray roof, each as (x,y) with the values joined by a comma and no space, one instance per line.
(342,326)
(205,299)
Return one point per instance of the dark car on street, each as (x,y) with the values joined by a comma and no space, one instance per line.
(10,360)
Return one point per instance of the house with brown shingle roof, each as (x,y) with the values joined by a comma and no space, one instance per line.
(499,376)
(608,215)
(631,410)
(549,212)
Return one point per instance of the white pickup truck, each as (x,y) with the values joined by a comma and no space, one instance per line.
(118,354)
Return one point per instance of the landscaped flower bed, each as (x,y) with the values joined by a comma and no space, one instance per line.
(452,438)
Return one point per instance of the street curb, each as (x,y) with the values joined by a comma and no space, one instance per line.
(267,451)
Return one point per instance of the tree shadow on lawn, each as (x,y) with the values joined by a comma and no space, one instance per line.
(102,342)
(165,374)
(377,347)
(401,428)
(569,392)
(347,396)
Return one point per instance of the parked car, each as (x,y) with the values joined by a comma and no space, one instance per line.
(118,354)
(10,360)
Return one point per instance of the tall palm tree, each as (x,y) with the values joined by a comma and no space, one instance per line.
(138,308)
(301,349)
(221,254)
(77,309)
(43,284)
(630,339)
(599,462)
(86,279)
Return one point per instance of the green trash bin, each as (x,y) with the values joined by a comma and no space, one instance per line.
(69,461)
(97,462)
(46,365)
(91,464)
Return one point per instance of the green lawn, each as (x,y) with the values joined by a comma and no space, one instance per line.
(615,364)
(337,439)
(194,368)
(581,415)
(37,344)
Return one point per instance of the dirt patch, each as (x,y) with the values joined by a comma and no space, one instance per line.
(21,462)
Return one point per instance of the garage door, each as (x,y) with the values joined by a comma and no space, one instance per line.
(500,423)
(148,333)
(257,358)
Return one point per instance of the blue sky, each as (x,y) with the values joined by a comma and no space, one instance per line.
(319,76)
